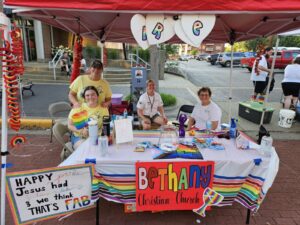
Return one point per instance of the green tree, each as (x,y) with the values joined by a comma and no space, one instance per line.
(252,45)
(290,41)
(171,49)
(237,47)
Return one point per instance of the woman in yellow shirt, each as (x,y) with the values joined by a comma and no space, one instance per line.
(92,79)
(91,108)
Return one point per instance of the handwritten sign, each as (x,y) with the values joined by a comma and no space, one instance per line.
(172,185)
(42,194)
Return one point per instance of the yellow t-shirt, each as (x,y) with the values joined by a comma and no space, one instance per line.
(96,113)
(101,85)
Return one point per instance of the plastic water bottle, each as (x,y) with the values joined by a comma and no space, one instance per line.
(232,130)
(208,126)
(266,144)
(103,144)
(125,114)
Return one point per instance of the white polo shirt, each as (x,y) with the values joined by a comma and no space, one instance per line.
(150,104)
(201,114)
(262,74)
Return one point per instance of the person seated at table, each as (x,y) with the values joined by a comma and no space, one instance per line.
(94,78)
(65,63)
(205,111)
(95,112)
(150,107)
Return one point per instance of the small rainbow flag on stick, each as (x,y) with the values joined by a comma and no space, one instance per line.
(80,119)
(210,198)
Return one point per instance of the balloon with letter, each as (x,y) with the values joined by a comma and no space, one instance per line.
(160,28)
(180,33)
(138,29)
(197,27)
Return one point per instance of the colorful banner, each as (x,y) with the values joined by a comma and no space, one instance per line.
(172,185)
(42,194)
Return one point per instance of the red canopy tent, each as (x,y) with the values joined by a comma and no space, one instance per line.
(110,20)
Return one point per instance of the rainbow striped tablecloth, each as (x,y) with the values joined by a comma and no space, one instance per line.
(245,190)
(237,177)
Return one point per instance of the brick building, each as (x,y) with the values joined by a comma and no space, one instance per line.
(39,38)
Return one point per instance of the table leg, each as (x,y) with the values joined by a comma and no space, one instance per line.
(248,216)
(98,212)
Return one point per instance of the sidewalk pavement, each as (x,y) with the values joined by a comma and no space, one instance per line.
(280,207)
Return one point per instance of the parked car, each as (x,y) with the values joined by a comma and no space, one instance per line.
(185,57)
(283,59)
(208,58)
(249,54)
(201,56)
(246,60)
(214,58)
(224,58)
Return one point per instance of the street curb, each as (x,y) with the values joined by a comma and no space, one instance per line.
(34,123)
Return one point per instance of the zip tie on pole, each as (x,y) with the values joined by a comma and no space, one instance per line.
(4,153)
(230,98)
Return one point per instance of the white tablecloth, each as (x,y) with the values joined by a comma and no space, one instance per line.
(231,166)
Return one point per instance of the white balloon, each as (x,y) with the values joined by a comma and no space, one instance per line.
(197,27)
(138,30)
(160,28)
(180,33)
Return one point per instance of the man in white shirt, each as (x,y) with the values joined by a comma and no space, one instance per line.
(150,107)
(205,112)
(260,73)
(83,67)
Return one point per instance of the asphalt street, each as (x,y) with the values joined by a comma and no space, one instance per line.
(46,94)
(202,73)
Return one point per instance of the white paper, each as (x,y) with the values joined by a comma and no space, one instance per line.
(123,130)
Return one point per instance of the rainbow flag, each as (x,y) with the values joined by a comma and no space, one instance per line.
(80,119)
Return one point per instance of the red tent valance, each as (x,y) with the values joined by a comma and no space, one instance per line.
(164,5)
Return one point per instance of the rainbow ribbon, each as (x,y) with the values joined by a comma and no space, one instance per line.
(210,198)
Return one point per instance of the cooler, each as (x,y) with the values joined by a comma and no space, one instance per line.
(116,99)
(252,111)
(119,108)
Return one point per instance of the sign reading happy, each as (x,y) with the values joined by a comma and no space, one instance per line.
(156,28)
(46,193)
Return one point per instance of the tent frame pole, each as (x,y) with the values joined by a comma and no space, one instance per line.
(4,137)
(248,216)
(98,212)
(230,83)
(271,75)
